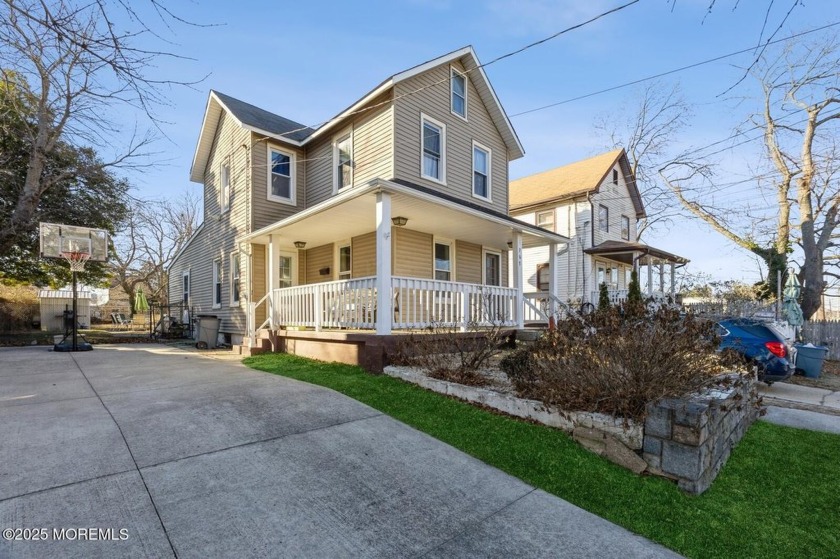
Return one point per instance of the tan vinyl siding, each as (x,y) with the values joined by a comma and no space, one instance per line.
(435,102)
(412,253)
(467,262)
(301,267)
(265,211)
(505,273)
(363,254)
(316,259)
(372,151)
(258,277)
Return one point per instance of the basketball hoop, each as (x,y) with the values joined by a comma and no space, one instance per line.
(77,260)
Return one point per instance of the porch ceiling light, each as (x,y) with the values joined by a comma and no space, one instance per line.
(510,244)
(399,221)
(300,244)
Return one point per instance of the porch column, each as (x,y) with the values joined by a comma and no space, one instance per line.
(673,281)
(384,312)
(650,276)
(518,314)
(662,277)
(552,285)
(272,279)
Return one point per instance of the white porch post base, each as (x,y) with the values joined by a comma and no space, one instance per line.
(384,309)
(518,306)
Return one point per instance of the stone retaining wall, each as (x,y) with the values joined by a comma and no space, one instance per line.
(689,440)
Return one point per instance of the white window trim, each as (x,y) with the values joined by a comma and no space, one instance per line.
(346,133)
(188,290)
(489,197)
(452,71)
(423,119)
(338,246)
(233,256)
(292,201)
(451,243)
(484,253)
(217,279)
(224,200)
(553,219)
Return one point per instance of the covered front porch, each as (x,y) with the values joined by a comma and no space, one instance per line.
(389,256)
(655,268)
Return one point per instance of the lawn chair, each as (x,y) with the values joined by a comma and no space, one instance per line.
(124,322)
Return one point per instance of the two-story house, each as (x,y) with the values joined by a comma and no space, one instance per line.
(392,215)
(597,205)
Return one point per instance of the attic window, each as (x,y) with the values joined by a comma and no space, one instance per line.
(458,83)
(615,176)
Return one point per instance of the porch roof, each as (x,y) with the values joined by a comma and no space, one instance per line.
(626,252)
(353,212)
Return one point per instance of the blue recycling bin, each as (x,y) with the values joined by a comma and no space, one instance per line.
(810,359)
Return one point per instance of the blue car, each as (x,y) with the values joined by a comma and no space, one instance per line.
(759,345)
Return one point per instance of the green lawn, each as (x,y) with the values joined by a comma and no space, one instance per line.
(778,496)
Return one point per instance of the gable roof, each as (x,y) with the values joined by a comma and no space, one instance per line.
(285,130)
(573,180)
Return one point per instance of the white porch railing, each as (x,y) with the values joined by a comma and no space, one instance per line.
(417,303)
(333,304)
(616,296)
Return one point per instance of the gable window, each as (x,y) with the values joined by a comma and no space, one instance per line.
(186,288)
(224,191)
(458,88)
(543,277)
(217,283)
(281,179)
(433,164)
(343,161)
(284,269)
(546,220)
(492,268)
(625,228)
(481,171)
(615,176)
(344,262)
(443,261)
(235,285)
(603,218)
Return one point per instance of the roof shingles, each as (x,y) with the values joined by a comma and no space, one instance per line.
(256,117)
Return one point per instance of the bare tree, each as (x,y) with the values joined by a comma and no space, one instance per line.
(154,234)
(798,119)
(646,129)
(76,65)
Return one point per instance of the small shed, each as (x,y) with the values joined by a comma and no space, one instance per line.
(53,304)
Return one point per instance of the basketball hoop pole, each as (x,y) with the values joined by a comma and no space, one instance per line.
(75,316)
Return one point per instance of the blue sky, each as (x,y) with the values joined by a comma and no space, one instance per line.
(309,60)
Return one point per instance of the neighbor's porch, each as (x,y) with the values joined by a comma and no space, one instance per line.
(388,257)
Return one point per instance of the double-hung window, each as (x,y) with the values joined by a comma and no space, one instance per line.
(603,218)
(625,228)
(224,190)
(481,171)
(284,272)
(492,268)
(343,161)
(545,220)
(615,177)
(344,263)
(458,89)
(186,290)
(281,179)
(217,283)
(235,286)
(443,261)
(433,161)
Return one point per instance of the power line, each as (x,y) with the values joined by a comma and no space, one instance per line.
(669,72)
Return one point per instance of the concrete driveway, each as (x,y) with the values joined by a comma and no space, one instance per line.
(196,457)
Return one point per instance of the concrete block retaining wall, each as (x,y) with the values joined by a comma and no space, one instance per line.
(689,440)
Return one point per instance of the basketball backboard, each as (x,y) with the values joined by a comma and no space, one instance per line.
(57,239)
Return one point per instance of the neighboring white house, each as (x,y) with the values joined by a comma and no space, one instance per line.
(596,204)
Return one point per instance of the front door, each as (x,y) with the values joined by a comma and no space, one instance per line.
(286,270)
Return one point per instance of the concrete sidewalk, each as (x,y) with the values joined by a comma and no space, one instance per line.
(785,394)
(200,457)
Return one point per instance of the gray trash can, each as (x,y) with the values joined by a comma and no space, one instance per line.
(208,331)
(810,359)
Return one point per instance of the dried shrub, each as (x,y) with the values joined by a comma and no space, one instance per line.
(445,352)
(617,360)
(19,308)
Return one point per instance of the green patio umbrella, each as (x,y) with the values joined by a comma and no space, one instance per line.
(790,306)
(141,305)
